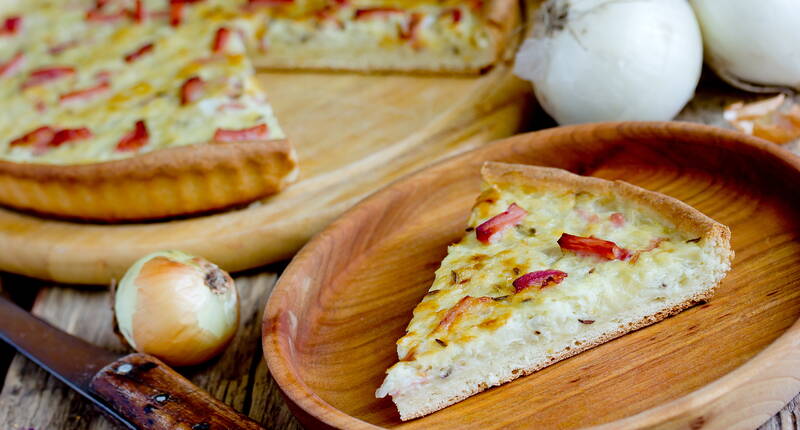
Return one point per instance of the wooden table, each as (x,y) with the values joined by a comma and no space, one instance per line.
(31,399)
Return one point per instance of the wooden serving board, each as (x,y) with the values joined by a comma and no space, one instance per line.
(331,323)
(353,133)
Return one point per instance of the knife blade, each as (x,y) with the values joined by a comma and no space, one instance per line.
(137,390)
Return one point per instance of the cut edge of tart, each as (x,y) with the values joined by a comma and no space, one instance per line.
(168,182)
(498,334)
(427,41)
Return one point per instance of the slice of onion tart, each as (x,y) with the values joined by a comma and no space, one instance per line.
(552,264)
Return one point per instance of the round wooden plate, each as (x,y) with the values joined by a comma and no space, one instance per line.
(332,321)
(353,134)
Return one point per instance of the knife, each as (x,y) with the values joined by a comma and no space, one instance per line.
(138,390)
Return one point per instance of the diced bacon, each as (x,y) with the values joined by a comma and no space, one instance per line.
(221,40)
(617,218)
(476,4)
(11,26)
(259,132)
(138,11)
(103,76)
(47,74)
(68,135)
(488,230)
(463,306)
(191,90)
(13,65)
(376,12)
(587,216)
(97,15)
(36,138)
(654,243)
(455,14)
(134,139)
(540,278)
(175,13)
(410,31)
(593,246)
(86,93)
(61,47)
(133,56)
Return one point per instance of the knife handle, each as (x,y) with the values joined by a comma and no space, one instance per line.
(151,395)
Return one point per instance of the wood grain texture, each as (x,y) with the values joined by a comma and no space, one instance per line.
(353,133)
(332,321)
(239,378)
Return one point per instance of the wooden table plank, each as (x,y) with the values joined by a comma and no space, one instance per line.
(31,398)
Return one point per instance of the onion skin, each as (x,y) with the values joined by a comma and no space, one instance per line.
(607,60)
(753,45)
(181,309)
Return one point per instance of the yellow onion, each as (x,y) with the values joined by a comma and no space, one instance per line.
(177,307)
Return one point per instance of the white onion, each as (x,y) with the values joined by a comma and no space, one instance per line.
(607,60)
(179,308)
(752,43)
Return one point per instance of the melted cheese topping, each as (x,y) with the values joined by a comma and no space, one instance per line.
(57,33)
(447,329)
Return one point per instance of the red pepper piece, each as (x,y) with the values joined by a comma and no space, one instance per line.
(138,11)
(37,138)
(11,26)
(175,13)
(593,246)
(540,278)
(12,65)
(68,135)
(455,13)
(134,139)
(40,76)
(191,90)
(259,132)
(617,219)
(86,93)
(498,223)
(97,15)
(221,40)
(376,12)
(144,49)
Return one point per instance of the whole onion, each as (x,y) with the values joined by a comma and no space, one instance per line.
(177,307)
(604,60)
(752,44)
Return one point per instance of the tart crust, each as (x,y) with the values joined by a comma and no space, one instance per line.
(163,183)
(685,218)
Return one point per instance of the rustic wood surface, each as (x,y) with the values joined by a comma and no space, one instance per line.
(349,292)
(30,399)
(353,134)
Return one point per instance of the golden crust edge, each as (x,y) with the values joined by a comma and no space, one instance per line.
(240,172)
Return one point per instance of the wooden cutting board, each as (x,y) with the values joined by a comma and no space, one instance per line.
(354,134)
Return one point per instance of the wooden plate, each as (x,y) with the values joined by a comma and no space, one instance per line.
(353,133)
(331,323)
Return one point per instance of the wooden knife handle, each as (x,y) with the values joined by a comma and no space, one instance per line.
(153,396)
